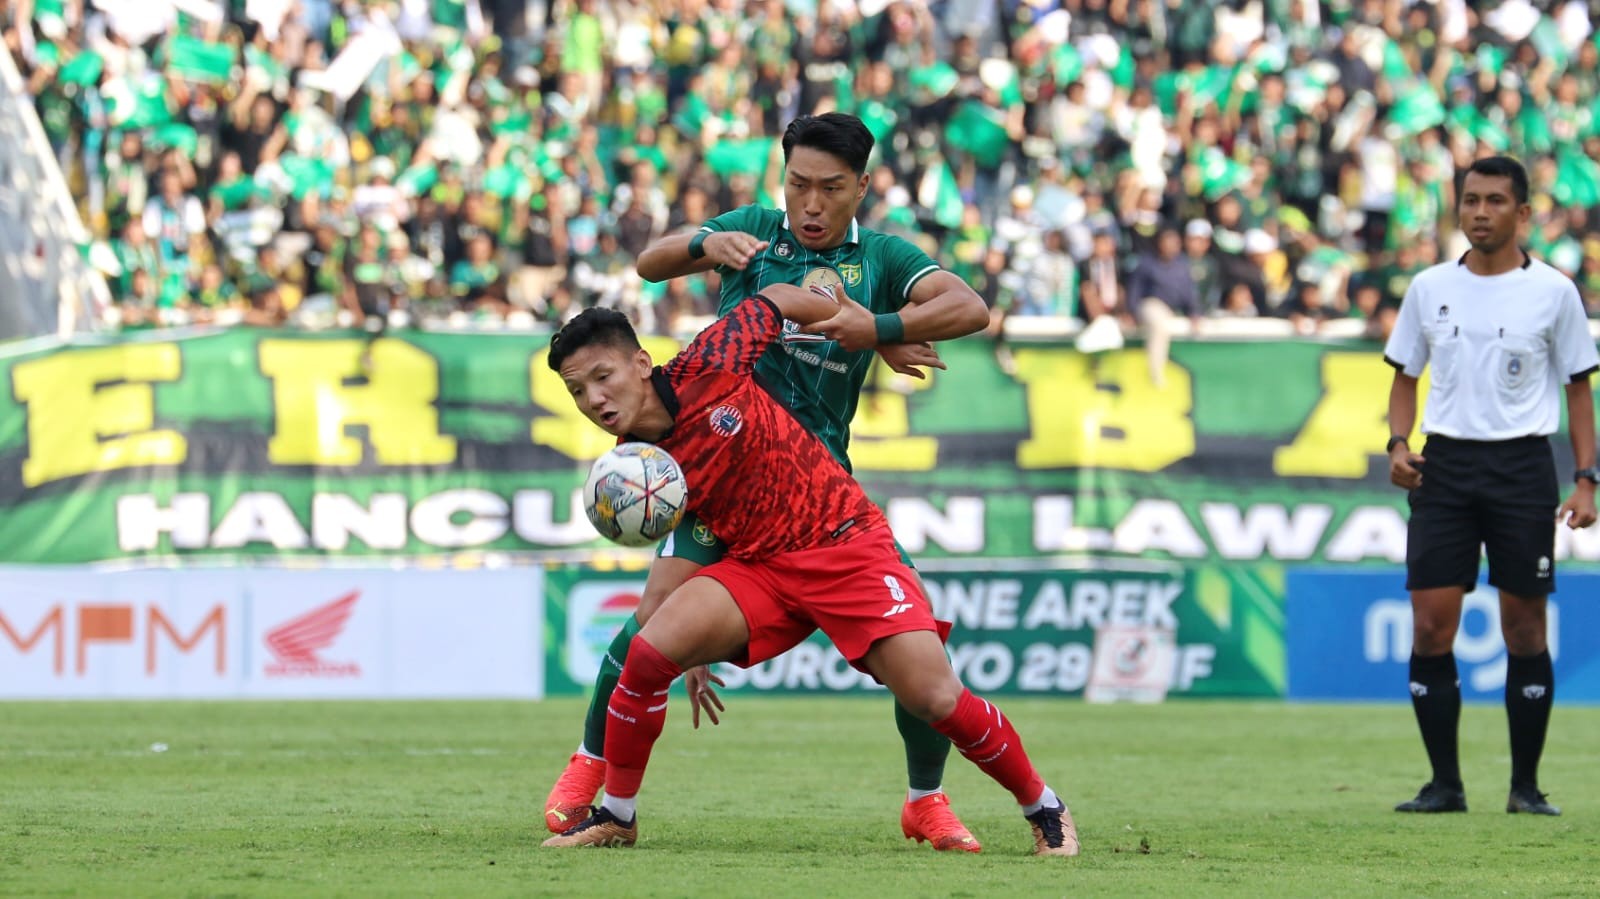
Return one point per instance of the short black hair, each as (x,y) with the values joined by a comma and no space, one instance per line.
(1504,167)
(596,325)
(838,134)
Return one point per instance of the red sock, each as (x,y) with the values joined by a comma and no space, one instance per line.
(988,740)
(637,712)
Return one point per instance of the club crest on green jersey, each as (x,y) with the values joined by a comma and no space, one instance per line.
(703,535)
(851,272)
(825,277)
(783,249)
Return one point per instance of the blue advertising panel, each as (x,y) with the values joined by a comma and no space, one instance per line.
(1349,637)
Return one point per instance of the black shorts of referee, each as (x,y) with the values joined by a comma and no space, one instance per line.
(1494,498)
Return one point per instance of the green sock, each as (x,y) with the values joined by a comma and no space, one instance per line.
(594,726)
(926,750)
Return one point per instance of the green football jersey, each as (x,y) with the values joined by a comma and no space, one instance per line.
(819,381)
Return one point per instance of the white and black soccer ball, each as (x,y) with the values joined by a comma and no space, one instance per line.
(635,494)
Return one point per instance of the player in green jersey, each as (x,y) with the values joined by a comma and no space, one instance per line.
(894,299)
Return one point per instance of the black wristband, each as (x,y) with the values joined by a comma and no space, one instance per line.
(697,248)
(1396,439)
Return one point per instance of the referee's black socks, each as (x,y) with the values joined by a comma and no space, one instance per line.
(1530,691)
(1436,698)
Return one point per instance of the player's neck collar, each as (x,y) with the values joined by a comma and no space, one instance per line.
(854,237)
(1527,261)
(669,398)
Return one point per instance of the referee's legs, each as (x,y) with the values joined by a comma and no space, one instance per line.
(1436,694)
(1530,689)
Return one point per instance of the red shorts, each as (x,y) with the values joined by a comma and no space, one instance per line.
(857,593)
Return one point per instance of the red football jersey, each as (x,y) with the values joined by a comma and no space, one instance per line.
(762,482)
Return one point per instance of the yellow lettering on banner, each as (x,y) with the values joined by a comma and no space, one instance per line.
(880,435)
(565,429)
(1350,423)
(314,407)
(93,410)
(1103,411)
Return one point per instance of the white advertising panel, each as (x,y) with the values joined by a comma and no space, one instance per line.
(335,633)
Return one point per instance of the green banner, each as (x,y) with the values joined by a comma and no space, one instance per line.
(1028,631)
(248,443)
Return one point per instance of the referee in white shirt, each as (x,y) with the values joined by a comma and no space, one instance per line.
(1504,335)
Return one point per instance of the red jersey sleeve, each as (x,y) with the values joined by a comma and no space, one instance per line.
(732,343)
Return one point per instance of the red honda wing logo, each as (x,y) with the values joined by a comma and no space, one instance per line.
(297,642)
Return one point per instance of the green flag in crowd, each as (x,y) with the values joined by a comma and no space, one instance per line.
(197,60)
(740,157)
(1416,108)
(938,192)
(82,70)
(1546,38)
(1577,180)
(933,82)
(1219,173)
(1068,64)
(142,105)
(980,130)
(418,179)
(307,176)
(176,136)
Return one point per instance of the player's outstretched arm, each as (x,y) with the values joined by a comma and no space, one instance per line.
(677,255)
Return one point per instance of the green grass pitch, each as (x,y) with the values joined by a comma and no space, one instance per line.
(789,797)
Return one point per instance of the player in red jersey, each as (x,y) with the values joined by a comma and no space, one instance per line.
(806,549)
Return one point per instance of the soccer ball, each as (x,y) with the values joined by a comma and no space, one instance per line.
(635,494)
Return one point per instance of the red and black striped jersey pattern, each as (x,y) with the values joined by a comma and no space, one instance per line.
(761,481)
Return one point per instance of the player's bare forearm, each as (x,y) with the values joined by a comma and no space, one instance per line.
(942,307)
(801,305)
(669,258)
(1580,421)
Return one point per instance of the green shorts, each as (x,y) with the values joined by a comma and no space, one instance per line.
(694,542)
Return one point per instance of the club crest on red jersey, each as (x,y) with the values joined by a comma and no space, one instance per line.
(726,420)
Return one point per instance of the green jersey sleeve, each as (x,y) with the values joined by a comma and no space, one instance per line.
(903,264)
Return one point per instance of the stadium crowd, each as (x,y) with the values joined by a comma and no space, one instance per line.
(314,161)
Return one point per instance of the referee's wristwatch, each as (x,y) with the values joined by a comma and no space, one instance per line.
(1590,474)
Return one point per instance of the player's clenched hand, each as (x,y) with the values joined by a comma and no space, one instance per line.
(734,249)
(1578,511)
(905,358)
(1403,471)
(698,681)
(853,326)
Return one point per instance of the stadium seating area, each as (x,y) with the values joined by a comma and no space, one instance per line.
(501,163)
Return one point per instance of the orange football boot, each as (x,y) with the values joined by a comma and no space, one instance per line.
(931,819)
(572,798)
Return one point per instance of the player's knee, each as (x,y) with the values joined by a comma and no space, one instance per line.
(647,667)
(1525,638)
(932,700)
(1432,633)
(1432,638)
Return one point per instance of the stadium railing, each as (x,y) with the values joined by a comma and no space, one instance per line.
(47,286)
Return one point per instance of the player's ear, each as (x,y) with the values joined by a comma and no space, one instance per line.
(861,185)
(642,362)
